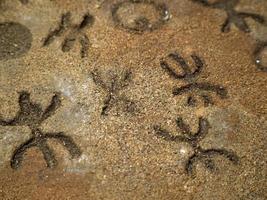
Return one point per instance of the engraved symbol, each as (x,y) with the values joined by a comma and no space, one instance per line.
(188,75)
(258,54)
(128,15)
(76,32)
(15,40)
(233,17)
(32,115)
(218,90)
(113,87)
(193,139)
(187,72)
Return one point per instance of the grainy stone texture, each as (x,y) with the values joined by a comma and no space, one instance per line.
(113,101)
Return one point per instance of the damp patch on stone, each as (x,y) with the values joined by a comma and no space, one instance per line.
(139,16)
(15,40)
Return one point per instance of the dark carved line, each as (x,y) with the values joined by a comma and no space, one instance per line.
(203,2)
(107,104)
(233,17)
(68,43)
(183,127)
(219,90)
(127,76)
(241,24)
(203,129)
(231,156)
(117,84)
(67,142)
(65,22)
(207,100)
(168,137)
(179,59)
(191,101)
(256,17)
(187,73)
(209,164)
(84,41)
(48,153)
(17,156)
(199,65)
(24,98)
(12,122)
(98,81)
(76,31)
(165,66)
(227,5)
(205,156)
(88,20)
(189,166)
(32,115)
(54,105)
(226,26)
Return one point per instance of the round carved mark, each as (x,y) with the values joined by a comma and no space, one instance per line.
(261,57)
(15,40)
(140,15)
(24,1)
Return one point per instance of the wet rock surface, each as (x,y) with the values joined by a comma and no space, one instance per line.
(133,99)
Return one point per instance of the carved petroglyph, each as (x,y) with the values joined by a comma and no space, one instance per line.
(32,115)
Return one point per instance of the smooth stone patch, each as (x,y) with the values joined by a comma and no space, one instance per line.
(15,40)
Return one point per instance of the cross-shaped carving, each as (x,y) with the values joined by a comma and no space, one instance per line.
(32,115)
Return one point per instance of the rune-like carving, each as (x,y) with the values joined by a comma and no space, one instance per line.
(32,115)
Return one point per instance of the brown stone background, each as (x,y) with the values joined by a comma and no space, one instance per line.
(122,157)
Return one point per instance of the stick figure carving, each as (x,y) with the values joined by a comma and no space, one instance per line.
(258,56)
(233,17)
(188,75)
(32,115)
(113,88)
(76,33)
(193,139)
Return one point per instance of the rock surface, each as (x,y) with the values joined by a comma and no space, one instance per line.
(133,99)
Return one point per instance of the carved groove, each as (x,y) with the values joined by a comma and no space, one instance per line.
(193,139)
(233,17)
(32,115)
(75,33)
